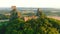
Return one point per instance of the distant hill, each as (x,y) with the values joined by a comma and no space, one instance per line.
(47,11)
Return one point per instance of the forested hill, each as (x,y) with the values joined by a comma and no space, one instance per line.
(34,26)
(41,25)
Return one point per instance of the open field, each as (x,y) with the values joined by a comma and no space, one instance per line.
(55,17)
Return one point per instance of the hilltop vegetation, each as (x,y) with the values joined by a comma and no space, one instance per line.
(42,25)
(38,26)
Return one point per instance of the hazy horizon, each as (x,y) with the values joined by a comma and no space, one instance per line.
(31,3)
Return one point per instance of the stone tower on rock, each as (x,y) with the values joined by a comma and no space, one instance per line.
(14,13)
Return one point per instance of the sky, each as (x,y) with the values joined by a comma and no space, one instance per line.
(31,3)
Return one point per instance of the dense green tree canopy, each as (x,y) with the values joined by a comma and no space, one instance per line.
(41,25)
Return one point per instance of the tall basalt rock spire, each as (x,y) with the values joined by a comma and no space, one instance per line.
(39,12)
